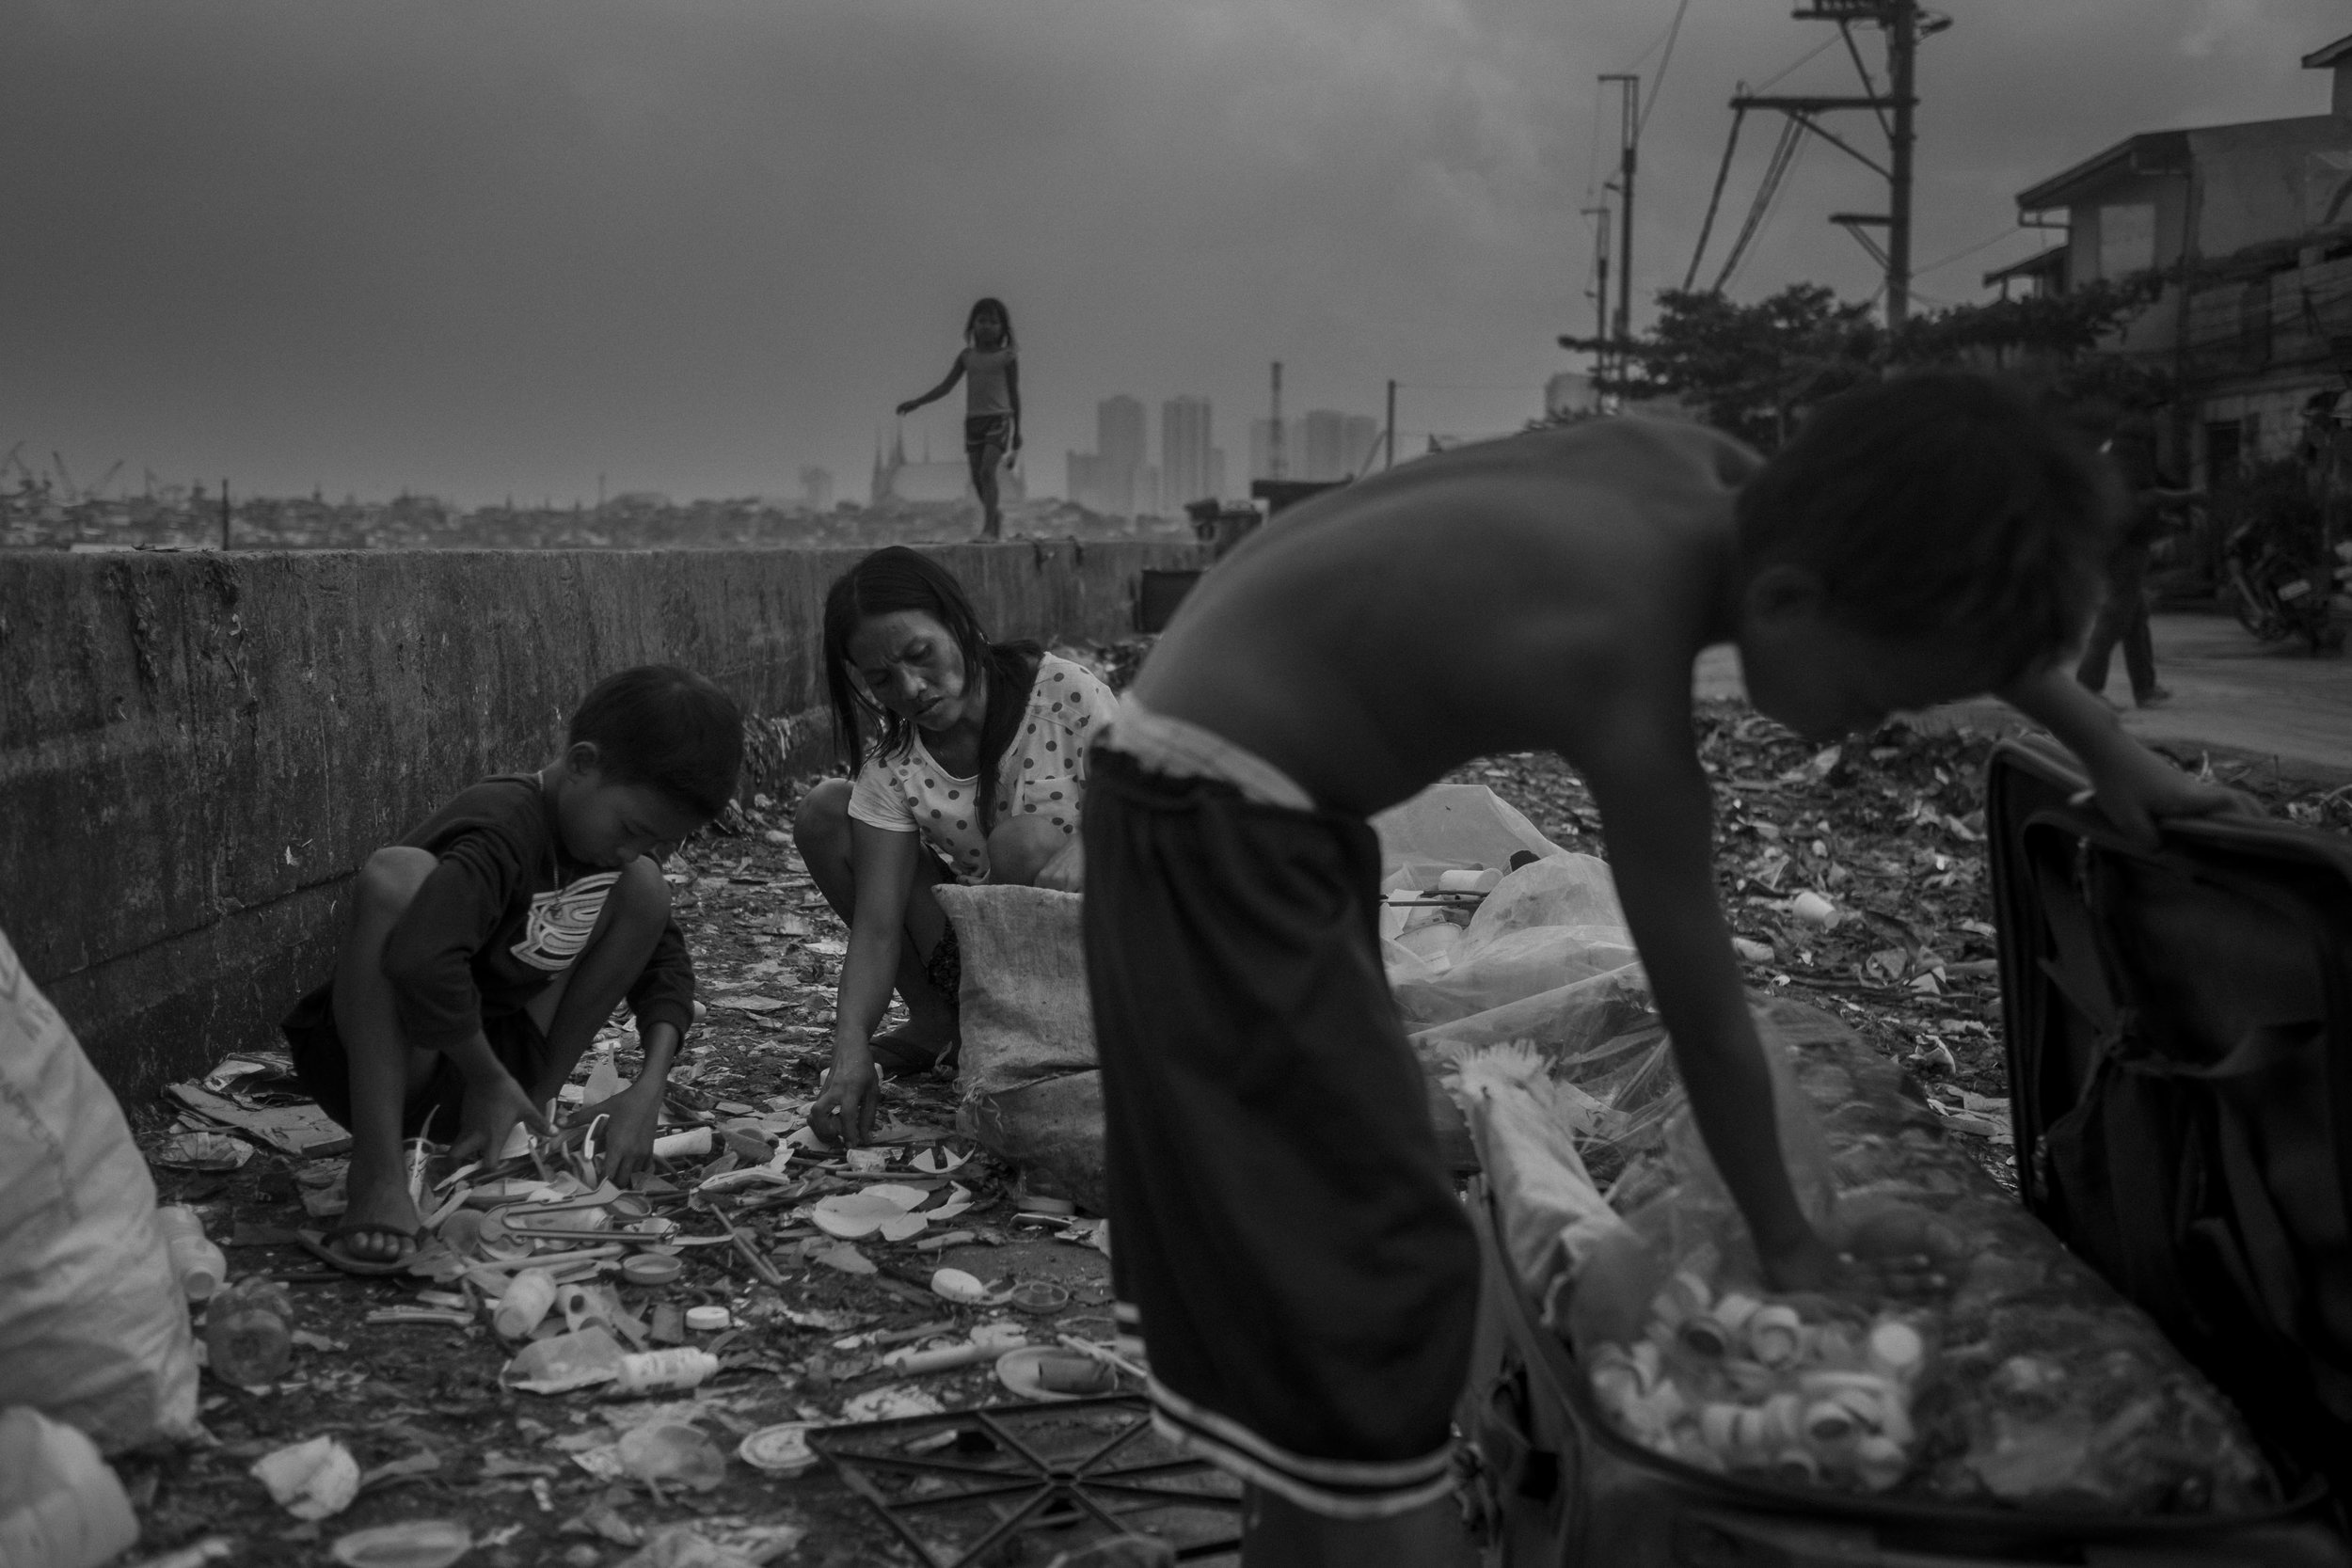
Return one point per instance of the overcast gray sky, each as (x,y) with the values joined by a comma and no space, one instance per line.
(481,247)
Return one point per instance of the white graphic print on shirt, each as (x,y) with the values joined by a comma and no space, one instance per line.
(560,922)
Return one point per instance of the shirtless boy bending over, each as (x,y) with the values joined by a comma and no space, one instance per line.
(1292,1251)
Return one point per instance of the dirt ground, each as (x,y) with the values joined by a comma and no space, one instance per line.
(1889,829)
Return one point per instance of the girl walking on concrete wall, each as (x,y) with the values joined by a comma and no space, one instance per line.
(989,368)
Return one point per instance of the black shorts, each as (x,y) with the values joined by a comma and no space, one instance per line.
(981,431)
(322,1069)
(1282,1229)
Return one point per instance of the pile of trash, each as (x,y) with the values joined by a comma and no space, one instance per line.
(1970,1359)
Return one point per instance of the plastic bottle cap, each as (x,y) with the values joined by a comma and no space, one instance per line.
(651,1268)
(707,1320)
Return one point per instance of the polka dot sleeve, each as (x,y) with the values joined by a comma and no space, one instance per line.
(878,797)
(1045,772)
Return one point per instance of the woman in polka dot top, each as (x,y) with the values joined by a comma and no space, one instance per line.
(969,763)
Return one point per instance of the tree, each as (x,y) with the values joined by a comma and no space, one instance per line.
(1747,369)
(1752,370)
(2053,340)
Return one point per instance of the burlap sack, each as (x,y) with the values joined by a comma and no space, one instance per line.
(1031,1092)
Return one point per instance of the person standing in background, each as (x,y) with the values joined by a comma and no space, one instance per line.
(2124,617)
(990,367)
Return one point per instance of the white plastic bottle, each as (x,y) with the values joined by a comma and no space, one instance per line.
(664,1372)
(526,1301)
(195,1262)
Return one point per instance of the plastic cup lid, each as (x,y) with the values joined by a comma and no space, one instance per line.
(651,1268)
(779,1449)
(1040,1296)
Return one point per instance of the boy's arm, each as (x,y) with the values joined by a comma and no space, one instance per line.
(634,1115)
(1656,814)
(2135,786)
(662,999)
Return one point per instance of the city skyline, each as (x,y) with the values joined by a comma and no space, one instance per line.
(471,250)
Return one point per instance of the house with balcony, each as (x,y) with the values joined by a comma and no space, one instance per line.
(2249,227)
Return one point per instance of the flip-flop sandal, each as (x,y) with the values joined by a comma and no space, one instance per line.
(323,1247)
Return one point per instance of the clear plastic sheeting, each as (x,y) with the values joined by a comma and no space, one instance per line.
(1451,827)
(1540,962)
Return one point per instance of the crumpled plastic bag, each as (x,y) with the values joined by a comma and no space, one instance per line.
(563,1362)
(91,1315)
(673,1452)
(312,1480)
(1447,826)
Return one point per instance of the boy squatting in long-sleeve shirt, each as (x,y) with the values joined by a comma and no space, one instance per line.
(488,945)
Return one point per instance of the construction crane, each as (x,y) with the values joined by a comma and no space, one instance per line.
(1904,22)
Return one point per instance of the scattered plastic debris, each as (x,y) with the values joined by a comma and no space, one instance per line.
(206,1151)
(781,1449)
(411,1544)
(312,1480)
(671,1451)
(890,1405)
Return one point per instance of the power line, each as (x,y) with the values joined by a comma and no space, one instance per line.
(1964,254)
(1658,82)
(1785,153)
(1722,172)
(1802,60)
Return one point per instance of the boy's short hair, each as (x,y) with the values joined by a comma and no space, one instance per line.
(1941,504)
(657,724)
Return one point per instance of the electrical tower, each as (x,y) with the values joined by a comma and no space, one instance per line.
(1904,22)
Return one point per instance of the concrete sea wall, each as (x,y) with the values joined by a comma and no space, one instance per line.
(197,749)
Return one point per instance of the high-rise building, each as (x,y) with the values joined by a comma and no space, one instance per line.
(1084,484)
(1184,453)
(1119,451)
(1337,445)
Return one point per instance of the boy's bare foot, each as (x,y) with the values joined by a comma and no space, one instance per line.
(381,1222)
(2153,695)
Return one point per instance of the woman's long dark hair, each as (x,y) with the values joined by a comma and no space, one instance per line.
(896,578)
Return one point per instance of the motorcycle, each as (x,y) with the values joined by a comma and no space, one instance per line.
(2277,595)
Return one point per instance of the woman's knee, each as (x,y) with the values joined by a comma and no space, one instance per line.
(821,825)
(1019,849)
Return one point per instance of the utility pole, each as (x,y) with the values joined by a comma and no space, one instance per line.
(1628,131)
(1601,298)
(1904,26)
(224,513)
(1276,467)
(1391,461)
(1902,40)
